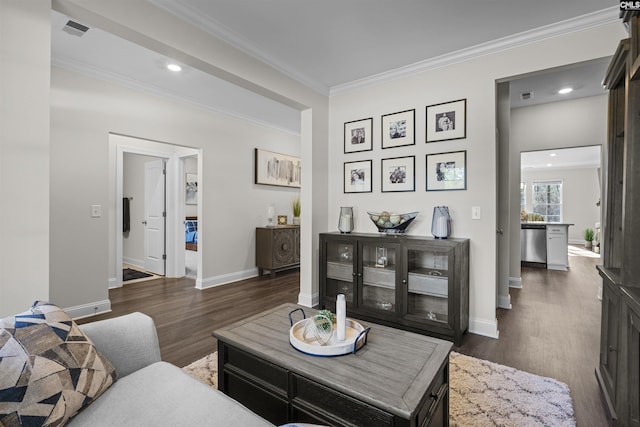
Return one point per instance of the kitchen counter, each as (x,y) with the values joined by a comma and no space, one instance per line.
(545,244)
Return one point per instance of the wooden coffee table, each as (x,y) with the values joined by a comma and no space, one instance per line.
(398,378)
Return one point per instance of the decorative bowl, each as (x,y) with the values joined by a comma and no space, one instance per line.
(391,222)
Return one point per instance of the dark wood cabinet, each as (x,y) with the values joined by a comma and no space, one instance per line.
(619,366)
(259,368)
(277,248)
(414,283)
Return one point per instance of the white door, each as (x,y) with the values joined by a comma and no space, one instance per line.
(154,214)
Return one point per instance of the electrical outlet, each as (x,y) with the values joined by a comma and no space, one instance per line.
(475,212)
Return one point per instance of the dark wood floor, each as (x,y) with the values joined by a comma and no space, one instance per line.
(185,317)
(553,329)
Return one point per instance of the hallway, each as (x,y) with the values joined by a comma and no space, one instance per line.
(553,330)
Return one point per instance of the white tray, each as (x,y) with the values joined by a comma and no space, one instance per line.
(356,338)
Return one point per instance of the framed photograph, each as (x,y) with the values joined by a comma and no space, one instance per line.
(357,177)
(398,174)
(277,169)
(447,121)
(358,136)
(191,181)
(447,171)
(398,129)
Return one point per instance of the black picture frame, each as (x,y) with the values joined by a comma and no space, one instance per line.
(398,174)
(446,121)
(446,171)
(358,136)
(358,176)
(398,129)
(277,169)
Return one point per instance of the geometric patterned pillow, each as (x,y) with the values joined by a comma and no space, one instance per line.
(49,369)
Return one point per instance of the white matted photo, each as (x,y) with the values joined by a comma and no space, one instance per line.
(191,195)
(447,171)
(357,177)
(358,136)
(398,129)
(447,121)
(398,174)
(277,169)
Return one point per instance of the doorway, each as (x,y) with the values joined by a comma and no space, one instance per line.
(144,205)
(533,115)
(173,156)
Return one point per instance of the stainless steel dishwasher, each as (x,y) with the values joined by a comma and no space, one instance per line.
(533,243)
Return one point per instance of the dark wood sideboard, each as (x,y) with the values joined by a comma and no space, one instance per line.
(277,248)
(398,378)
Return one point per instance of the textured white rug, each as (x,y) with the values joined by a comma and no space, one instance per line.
(481,393)
(484,393)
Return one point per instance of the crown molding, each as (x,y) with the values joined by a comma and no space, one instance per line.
(580,23)
(98,73)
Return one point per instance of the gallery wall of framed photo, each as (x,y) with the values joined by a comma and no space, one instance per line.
(445,170)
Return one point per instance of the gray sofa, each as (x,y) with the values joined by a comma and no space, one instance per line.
(150,392)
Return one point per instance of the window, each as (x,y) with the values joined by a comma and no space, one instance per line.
(547,200)
(523,200)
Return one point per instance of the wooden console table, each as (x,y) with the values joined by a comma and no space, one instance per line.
(398,378)
(277,248)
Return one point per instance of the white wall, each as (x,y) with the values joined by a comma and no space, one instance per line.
(580,193)
(232,204)
(474,80)
(24,154)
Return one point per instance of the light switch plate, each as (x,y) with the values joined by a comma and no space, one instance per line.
(96,211)
(475,212)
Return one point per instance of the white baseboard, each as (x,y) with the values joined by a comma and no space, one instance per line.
(113,283)
(134,262)
(223,279)
(484,327)
(308,300)
(86,310)
(504,301)
(515,282)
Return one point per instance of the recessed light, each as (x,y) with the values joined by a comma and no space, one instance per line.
(174,67)
(565,90)
(553,154)
(549,165)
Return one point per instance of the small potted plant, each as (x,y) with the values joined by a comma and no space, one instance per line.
(295,206)
(588,238)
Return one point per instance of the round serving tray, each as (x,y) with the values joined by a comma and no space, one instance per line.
(356,338)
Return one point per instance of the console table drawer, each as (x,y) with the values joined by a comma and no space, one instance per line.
(316,397)
(273,375)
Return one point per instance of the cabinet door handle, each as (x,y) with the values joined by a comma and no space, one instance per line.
(612,349)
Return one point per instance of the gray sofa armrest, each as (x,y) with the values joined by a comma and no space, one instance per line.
(130,342)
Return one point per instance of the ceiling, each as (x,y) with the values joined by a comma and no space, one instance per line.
(334,45)
(580,157)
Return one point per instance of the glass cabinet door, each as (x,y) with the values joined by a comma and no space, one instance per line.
(340,258)
(378,274)
(427,297)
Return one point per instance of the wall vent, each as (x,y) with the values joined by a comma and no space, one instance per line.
(525,96)
(75,28)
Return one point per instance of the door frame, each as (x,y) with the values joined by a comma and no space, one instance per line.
(175,199)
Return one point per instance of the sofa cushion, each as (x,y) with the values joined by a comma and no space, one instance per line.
(164,395)
(49,369)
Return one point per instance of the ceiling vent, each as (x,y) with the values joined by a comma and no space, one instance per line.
(75,29)
(526,96)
